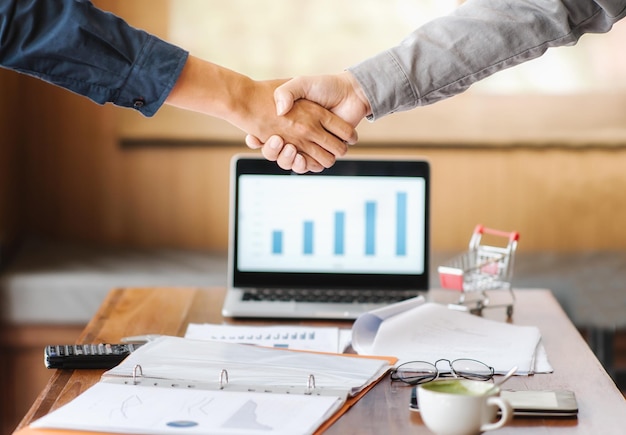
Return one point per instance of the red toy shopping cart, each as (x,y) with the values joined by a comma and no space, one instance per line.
(481,269)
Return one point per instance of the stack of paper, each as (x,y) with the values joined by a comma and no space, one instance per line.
(410,330)
(415,330)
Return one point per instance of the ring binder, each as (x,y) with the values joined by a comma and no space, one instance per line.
(236,367)
(136,368)
(215,382)
(223,378)
(310,384)
(222,382)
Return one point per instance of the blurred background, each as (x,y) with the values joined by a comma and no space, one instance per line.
(539,149)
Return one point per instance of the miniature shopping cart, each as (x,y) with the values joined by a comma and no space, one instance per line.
(481,269)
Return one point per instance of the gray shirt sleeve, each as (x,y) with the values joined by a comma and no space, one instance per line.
(447,55)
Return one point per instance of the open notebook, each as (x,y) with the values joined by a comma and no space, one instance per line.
(174,385)
(329,245)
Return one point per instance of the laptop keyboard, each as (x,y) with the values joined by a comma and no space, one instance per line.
(328,295)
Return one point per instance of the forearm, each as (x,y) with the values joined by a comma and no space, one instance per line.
(249,105)
(447,55)
(222,93)
(212,90)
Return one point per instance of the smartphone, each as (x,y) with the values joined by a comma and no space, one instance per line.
(86,356)
(539,403)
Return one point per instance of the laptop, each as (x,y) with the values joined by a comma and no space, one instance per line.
(328,245)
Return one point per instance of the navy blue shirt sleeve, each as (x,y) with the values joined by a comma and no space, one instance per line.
(74,45)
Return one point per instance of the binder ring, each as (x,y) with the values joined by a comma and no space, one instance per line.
(223,379)
(136,369)
(310,384)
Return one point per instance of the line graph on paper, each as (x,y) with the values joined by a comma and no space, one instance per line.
(246,418)
(134,409)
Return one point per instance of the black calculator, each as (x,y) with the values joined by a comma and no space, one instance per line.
(87,356)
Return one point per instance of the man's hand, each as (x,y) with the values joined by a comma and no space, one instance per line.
(285,155)
(318,135)
(340,93)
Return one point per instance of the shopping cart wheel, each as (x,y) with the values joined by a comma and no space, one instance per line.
(478,309)
(509,311)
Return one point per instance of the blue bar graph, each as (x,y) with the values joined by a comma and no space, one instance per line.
(401,223)
(308,238)
(336,237)
(340,227)
(277,242)
(370,228)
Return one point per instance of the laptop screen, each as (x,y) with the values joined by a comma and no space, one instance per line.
(362,223)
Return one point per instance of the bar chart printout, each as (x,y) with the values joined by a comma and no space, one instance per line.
(360,224)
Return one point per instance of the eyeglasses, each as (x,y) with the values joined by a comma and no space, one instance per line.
(419,372)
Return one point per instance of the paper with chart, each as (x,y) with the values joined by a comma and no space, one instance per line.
(295,337)
(173,385)
(134,409)
(426,331)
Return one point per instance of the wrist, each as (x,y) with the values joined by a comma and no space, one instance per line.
(210,89)
(358,92)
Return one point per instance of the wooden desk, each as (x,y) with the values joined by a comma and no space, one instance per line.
(384,409)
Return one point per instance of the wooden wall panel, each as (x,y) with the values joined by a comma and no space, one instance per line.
(176,197)
(559,199)
(83,186)
(70,164)
(9,157)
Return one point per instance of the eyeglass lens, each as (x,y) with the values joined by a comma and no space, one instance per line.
(418,372)
(472,369)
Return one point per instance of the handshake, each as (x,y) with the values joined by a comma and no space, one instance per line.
(303,124)
(321,113)
(316,118)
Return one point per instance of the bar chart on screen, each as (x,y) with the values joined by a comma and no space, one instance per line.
(323,223)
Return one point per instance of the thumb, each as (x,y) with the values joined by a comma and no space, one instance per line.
(286,94)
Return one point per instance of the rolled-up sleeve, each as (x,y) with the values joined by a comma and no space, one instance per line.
(77,46)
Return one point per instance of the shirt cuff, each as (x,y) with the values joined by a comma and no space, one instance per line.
(152,76)
(385,84)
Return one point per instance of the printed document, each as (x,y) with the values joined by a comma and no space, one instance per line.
(135,409)
(173,385)
(311,338)
(416,330)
